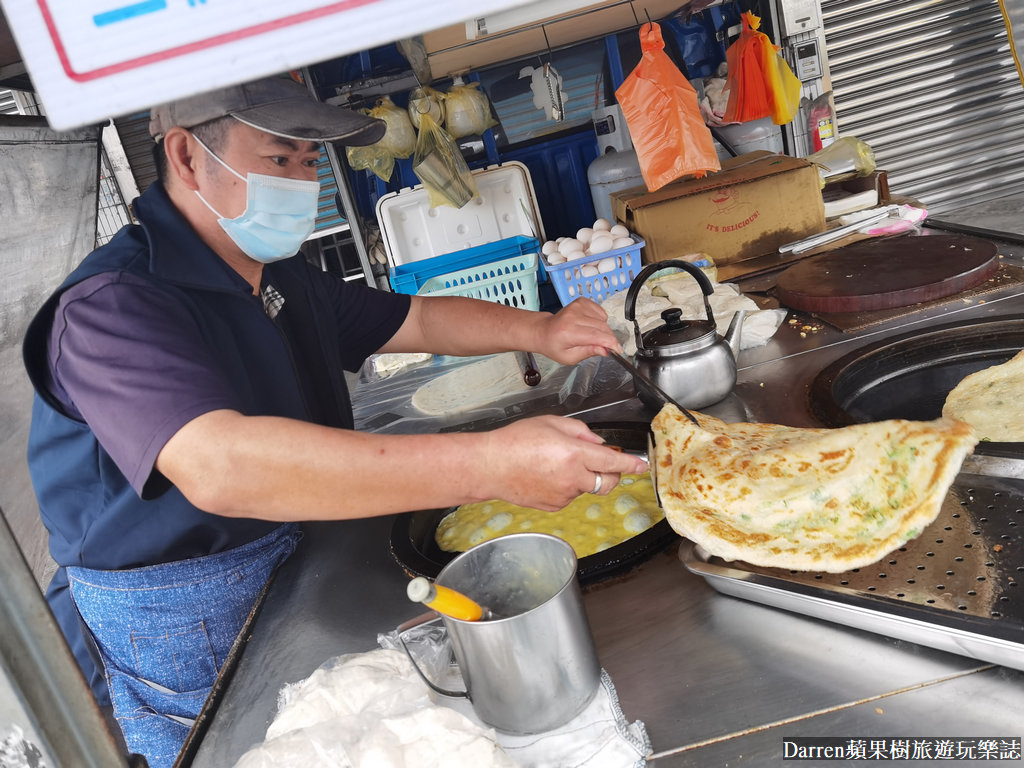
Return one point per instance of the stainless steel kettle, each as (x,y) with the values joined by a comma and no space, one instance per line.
(686,358)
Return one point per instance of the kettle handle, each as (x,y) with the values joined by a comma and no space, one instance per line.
(650,269)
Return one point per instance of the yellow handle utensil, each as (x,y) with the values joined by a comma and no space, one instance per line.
(446,601)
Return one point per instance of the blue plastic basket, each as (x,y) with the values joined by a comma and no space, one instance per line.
(409,278)
(508,281)
(570,283)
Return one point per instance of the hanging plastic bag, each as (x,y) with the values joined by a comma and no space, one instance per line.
(467,110)
(760,82)
(400,137)
(439,164)
(374,157)
(783,86)
(426,101)
(663,116)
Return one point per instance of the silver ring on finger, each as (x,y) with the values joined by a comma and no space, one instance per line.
(597,483)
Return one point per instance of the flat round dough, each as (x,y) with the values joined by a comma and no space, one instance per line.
(990,400)
(477,384)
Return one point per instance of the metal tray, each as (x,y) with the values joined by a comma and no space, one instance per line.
(414,548)
(958,587)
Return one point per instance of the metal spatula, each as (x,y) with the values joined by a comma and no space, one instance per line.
(640,378)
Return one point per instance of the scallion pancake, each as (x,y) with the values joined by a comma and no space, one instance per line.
(804,499)
(990,401)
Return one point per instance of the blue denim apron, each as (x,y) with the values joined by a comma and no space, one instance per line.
(164,631)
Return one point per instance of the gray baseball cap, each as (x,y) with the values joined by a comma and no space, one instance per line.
(276,105)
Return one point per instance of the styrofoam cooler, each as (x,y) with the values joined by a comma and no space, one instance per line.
(423,243)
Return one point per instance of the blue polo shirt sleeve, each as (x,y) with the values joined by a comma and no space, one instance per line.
(129,360)
(367,318)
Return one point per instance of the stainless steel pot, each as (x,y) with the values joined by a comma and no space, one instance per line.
(534,667)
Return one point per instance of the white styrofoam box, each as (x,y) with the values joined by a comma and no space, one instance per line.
(411,230)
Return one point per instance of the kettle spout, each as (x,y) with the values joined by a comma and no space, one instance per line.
(732,335)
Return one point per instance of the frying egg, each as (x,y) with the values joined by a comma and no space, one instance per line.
(589,523)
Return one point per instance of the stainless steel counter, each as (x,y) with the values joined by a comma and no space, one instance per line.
(715,679)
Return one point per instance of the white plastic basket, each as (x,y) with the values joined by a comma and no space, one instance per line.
(570,283)
(510,281)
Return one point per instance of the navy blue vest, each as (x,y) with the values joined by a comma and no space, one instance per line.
(94,516)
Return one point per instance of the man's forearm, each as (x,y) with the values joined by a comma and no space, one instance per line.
(281,469)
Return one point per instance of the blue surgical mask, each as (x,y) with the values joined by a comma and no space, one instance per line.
(279,214)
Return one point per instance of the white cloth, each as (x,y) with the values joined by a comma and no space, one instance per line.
(372,710)
(682,291)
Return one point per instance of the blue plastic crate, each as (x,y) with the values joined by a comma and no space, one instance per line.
(570,283)
(409,278)
(508,281)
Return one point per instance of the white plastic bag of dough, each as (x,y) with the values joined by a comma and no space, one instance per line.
(684,292)
(370,710)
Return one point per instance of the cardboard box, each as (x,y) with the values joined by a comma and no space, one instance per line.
(757,202)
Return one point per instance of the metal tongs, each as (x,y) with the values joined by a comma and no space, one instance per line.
(645,381)
(823,238)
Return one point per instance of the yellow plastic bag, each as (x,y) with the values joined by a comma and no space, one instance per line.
(759,80)
(782,85)
(400,137)
(439,164)
(663,116)
(375,158)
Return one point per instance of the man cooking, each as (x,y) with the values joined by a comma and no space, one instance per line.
(191,404)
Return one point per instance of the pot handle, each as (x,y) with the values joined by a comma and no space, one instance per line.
(412,624)
(634,290)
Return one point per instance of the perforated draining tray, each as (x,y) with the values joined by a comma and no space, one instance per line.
(958,587)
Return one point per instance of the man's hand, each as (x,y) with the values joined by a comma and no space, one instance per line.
(575,333)
(547,461)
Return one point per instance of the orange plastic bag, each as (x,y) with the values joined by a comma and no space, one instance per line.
(665,124)
(759,81)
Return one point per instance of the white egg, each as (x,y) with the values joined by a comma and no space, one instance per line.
(549,247)
(618,230)
(569,245)
(578,255)
(622,242)
(600,244)
(603,224)
(588,270)
(559,240)
(606,265)
(584,235)
(555,259)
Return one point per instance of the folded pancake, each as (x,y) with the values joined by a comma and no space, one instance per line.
(804,499)
(989,400)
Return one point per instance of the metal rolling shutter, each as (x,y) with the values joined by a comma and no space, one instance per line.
(138,147)
(8,106)
(932,87)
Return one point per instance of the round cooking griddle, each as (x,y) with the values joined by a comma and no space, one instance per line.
(887,273)
(909,376)
(414,548)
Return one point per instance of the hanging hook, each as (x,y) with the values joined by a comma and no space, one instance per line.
(633,9)
(648,15)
